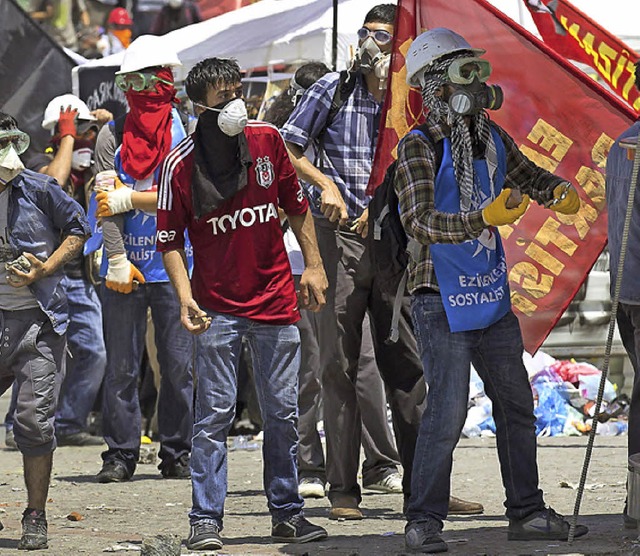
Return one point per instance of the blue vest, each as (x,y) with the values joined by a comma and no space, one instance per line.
(140,227)
(472,276)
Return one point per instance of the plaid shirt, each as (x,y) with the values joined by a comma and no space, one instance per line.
(349,142)
(415,185)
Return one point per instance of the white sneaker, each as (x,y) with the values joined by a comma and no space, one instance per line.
(391,484)
(311,487)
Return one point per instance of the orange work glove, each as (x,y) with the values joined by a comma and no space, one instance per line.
(122,275)
(116,201)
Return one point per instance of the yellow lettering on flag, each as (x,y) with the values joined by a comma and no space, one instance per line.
(549,233)
(553,142)
(528,276)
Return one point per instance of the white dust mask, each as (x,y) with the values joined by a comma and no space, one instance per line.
(233,117)
(81,158)
(10,164)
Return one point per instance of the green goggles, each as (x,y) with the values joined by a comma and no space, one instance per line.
(464,70)
(138,81)
(15,137)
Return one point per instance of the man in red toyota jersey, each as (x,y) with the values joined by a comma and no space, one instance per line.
(224,185)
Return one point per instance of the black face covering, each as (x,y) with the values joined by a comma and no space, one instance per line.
(220,164)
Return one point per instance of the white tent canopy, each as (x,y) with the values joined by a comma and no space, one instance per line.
(268,32)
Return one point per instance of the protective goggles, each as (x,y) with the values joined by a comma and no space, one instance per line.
(464,70)
(380,36)
(19,139)
(138,81)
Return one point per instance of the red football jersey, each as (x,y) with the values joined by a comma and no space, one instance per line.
(240,262)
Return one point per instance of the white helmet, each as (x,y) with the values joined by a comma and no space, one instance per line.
(429,47)
(148,51)
(52,111)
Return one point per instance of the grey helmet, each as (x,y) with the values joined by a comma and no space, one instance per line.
(431,46)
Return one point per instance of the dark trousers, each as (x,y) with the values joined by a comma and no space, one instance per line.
(628,318)
(381,456)
(354,292)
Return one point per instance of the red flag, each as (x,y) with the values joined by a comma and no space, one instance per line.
(561,119)
(574,35)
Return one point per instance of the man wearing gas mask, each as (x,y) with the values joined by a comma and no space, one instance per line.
(451,209)
(337,181)
(225,184)
(41,229)
(134,277)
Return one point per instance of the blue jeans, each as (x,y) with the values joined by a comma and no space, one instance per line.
(275,352)
(496,353)
(125,324)
(86,366)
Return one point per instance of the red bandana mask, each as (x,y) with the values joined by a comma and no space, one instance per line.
(146,140)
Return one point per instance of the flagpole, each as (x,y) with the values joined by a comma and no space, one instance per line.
(334,37)
(520,12)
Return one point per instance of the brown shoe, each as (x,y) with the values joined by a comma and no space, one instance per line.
(344,507)
(345,513)
(457,506)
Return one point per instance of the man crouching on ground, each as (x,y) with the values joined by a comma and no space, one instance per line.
(224,184)
(34,214)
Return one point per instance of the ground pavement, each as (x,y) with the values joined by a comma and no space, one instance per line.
(116,517)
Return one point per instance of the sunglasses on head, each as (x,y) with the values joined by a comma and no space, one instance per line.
(138,81)
(380,36)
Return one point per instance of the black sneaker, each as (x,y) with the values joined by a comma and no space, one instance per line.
(34,530)
(177,469)
(81,438)
(204,535)
(544,525)
(424,536)
(113,472)
(297,529)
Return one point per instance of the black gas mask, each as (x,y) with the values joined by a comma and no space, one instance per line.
(467,100)
(471,94)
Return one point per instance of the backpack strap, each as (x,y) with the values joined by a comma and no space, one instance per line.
(346,85)
(413,247)
(394,332)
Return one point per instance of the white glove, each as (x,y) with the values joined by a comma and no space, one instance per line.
(115,201)
(121,274)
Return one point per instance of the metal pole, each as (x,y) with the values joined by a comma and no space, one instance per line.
(334,37)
